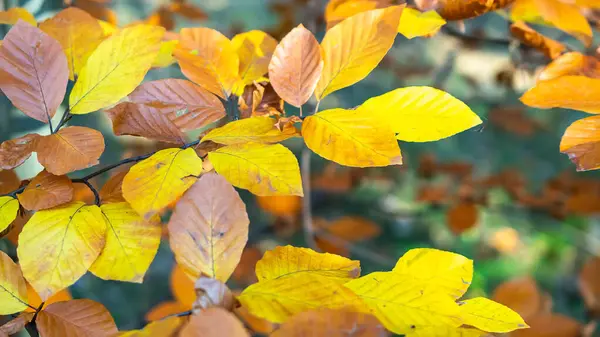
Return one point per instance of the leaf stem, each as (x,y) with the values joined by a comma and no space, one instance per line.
(307,219)
(91,187)
(63,120)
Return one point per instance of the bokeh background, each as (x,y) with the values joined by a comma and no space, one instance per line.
(500,193)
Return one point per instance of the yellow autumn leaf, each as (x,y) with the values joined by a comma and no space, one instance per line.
(154,183)
(490,316)
(11,16)
(108,28)
(254,49)
(414,23)
(421,114)
(165,54)
(13,289)
(9,207)
(353,48)
(570,92)
(352,138)
(448,332)
(283,261)
(115,68)
(131,243)
(57,246)
(279,299)
(338,10)
(405,305)
(253,129)
(447,271)
(262,169)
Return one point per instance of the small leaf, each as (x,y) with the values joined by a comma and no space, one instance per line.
(521,295)
(16,151)
(9,207)
(296,66)
(70,149)
(13,291)
(453,10)
(167,327)
(33,71)
(182,287)
(549,47)
(213,293)
(254,129)
(76,318)
(353,48)
(490,316)
(571,64)
(214,322)
(209,59)
(78,33)
(154,183)
(570,92)
(131,244)
(12,16)
(144,121)
(57,246)
(189,106)
(352,138)
(254,50)
(17,324)
(421,114)
(581,142)
(46,191)
(209,228)
(261,169)
(112,191)
(331,323)
(115,68)
(414,23)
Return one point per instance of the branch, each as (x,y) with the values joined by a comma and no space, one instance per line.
(91,187)
(473,38)
(307,219)
(63,120)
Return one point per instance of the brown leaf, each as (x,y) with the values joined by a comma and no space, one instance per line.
(164,309)
(521,295)
(260,100)
(549,47)
(9,181)
(353,228)
(209,228)
(213,293)
(16,151)
(76,318)
(589,284)
(70,149)
(188,105)
(331,323)
(452,10)
(514,120)
(163,17)
(462,216)
(280,205)
(433,194)
(112,191)
(16,324)
(581,142)
(46,191)
(583,203)
(214,322)
(244,271)
(33,71)
(296,66)
(334,179)
(550,325)
(188,11)
(144,121)
(571,64)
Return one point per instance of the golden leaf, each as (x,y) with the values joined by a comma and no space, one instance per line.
(570,92)
(253,129)
(414,23)
(13,291)
(9,207)
(490,316)
(254,50)
(581,142)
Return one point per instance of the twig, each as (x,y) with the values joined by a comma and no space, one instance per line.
(179,314)
(359,251)
(307,220)
(63,120)
(91,187)
(472,38)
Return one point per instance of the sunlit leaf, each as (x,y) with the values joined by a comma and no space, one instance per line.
(254,129)
(46,191)
(35,301)
(414,23)
(448,332)
(254,49)
(551,48)
(76,318)
(12,15)
(491,316)
(571,92)
(581,142)
(165,54)
(13,291)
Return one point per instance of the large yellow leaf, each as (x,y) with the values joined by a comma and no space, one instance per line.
(446,271)
(13,290)
(581,142)
(261,169)
(421,114)
(352,138)
(78,33)
(253,129)
(254,49)
(283,261)
(279,299)
(209,228)
(571,92)
(131,243)
(57,246)
(571,64)
(115,68)
(209,59)
(152,184)
(9,207)
(405,305)
(413,23)
(353,48)
(490,316)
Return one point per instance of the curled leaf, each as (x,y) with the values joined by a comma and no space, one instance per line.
(549,47)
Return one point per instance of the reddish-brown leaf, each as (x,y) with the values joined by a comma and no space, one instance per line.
(112,191)
(16,324)
(462,216)
(188,105)
(581,142)
(549,47)
(331,323)
(550,325)
(571,64)
(589,284)
(514,120)
(213,293)
(76,318)
(33,71)
(353,228)
(244,271)
(9,181)
(15,152)
(280,205)
(260,100)
(296,66)
(214,322)
(145,121)
(70,149)
(464,9)
(188,11)
(46,191)
(521,295)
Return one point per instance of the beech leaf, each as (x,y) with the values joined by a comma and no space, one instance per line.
(13,291)
(16,151)
(254,50)
(76,318)
(214,322)
(253,129)
(46,191)
(581,142)
(9,207)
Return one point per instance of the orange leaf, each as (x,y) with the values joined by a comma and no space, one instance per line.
(570,92)
(280,205)
(581,142)
(145,121)
(453,10)
(46,191)
(11,16)
(182,287)
(571,64)
(16,151)
(461,217)
(549,47)
(214,322)
(353,228)
(188,105)
(521,295)
(165,309)
(70,149)
(76,318)
(550,325)
(331,323)
(35,301)
(244,271)
(589,283)
(256,324)
(296,66)
(188,10)
(112,191)
(33,71)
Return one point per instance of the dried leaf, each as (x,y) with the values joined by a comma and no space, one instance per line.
(453,10)
(13,291)
(16,151)
(581,142)
(521,295)
(214,322)
(13,15)
(112,191)
(46,191)
(76,318)
(331,323)
(550,325)
(16,324)
(549,47)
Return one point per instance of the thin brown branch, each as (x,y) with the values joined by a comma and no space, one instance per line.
(307,218)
